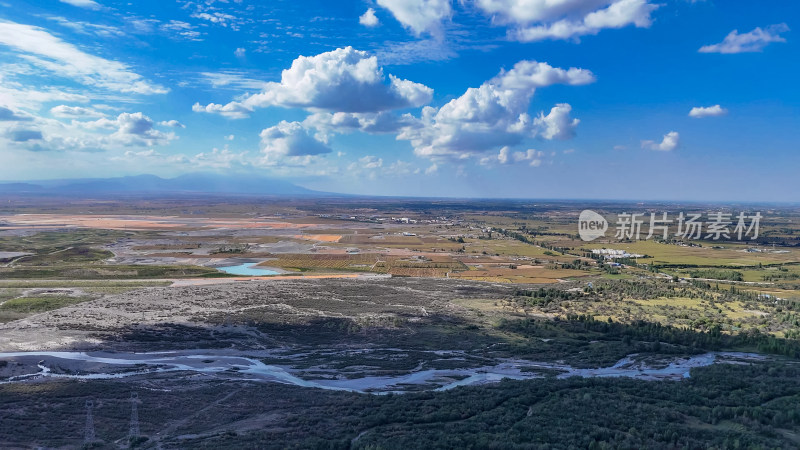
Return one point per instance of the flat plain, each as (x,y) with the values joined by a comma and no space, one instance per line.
(387,322)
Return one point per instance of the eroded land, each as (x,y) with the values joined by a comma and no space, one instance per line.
(389,324)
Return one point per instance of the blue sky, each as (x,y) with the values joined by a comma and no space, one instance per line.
(621,99)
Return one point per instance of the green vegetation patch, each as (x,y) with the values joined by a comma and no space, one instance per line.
(68,255)
(40,304)
(717,274)
(94,272)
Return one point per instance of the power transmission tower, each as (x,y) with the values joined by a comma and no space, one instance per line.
(134,430)
(88,432)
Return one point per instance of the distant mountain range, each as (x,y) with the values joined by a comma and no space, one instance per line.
(196,183)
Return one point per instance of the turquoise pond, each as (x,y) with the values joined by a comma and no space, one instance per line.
(247,269)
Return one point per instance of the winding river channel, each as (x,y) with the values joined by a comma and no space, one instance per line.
(246,366)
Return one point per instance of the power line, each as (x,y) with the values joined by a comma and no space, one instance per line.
(88,432)
(133,433)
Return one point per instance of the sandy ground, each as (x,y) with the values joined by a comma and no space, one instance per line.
(98,324)
(319,237)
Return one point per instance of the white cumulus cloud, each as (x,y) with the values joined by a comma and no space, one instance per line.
(233,110)
(753,41)
(131,129)
(368,19)
(558,124)
(373,123)
(495,114)
(698,112)
(670,142)
(536,20)
(344,79)
(43,134)
(506,156)
(290,143)
(172,123)
(371,162)
(419,16)
(72,112)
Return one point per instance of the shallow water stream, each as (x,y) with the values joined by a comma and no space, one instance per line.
(245,366)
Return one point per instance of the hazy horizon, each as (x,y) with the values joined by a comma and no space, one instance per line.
(313,193)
